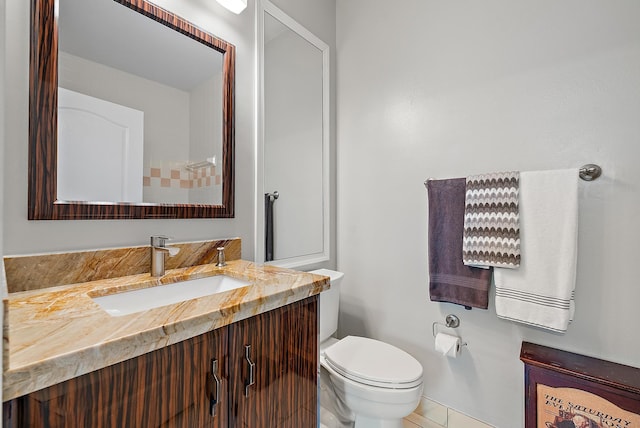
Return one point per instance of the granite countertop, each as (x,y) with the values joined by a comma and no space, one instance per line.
(59,333)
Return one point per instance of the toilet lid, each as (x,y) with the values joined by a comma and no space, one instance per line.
(374,363)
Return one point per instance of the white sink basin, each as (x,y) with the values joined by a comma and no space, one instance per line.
(129,302)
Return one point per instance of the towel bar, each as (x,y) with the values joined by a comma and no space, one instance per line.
(588,172)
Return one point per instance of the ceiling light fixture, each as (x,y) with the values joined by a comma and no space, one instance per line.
(235,6)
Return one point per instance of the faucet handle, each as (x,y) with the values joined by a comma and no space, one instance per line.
(159,241)
(221,260)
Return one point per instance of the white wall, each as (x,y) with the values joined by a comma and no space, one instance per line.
(22,236)
(206,119)
(206,134)
(447,89)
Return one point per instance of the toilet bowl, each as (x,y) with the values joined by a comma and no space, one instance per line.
(372,383)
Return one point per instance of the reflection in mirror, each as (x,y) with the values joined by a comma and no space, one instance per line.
(140,121)
(295,141)
(142,106)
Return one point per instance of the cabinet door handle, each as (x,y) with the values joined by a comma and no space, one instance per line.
(252,366)
(215,380)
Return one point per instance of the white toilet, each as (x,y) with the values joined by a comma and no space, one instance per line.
(371,382)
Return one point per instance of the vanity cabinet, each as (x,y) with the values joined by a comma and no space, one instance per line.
(281,347)
(164,388)
(175,386)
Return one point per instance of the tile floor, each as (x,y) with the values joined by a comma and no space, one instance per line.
(430,414)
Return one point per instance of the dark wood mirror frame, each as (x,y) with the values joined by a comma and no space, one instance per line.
(43,125)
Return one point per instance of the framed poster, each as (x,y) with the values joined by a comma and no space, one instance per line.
(567,390)
(574,408)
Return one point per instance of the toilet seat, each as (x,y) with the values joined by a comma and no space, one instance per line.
(374,363)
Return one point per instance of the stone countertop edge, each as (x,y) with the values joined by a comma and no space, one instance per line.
(38,355)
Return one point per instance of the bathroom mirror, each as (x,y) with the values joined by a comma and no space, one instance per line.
(160,93)
(294,134)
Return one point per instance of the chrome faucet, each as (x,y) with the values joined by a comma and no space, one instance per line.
(158,250)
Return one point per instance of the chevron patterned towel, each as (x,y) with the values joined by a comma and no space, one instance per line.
(491,220)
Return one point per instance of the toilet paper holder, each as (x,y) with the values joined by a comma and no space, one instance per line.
(451,321)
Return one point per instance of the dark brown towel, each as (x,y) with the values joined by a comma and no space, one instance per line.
(449,279)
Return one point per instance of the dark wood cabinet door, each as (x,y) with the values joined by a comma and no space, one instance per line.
(284,350)
(170,387)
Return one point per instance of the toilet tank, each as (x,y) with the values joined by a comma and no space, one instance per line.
(329,303)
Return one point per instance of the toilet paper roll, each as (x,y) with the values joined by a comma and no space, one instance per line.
(448,345)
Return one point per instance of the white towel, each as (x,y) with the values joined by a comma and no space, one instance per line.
(540,292)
